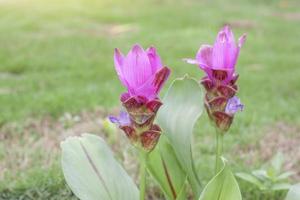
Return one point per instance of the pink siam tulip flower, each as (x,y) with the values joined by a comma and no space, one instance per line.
(218,62)
(143,74)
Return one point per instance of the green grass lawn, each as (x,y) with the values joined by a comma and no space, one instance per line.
(57,57)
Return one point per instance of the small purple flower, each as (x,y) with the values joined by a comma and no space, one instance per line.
(122,120)
(234,105)
(141,72)
(219,61)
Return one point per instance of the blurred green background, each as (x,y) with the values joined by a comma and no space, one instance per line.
(56,62)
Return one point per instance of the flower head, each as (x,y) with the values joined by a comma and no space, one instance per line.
(218,61)
(141,72)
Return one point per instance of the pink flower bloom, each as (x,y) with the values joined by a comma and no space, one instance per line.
(220,82)
(219,61)
(141,72)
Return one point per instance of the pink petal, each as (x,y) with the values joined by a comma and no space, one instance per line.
(242,40)
(152,87)
(230,56)
(219,51)
(204,56)
(137,68)
(154,59)
(229,34)
(224,51)
(119,61)
(230,52)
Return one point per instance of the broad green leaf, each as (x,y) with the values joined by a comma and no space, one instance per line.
(277,162)
(165,168)
(92,172)
(261,174)
(182,194)
(294,193)
(251,179)
(177,117)
(222,187)
(285,175)
(281,186)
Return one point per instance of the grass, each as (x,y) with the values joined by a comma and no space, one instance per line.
(56,57)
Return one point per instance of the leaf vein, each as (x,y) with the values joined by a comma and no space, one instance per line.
(96,170)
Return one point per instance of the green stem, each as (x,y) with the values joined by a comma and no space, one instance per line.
(219,150)
(143,172)
(272,194)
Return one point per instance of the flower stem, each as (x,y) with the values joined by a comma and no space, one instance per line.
(143,172)
(219,150)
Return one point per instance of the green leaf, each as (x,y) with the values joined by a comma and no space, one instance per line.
(281,186)
(251,179)
(285,175)
(177,117)
(294,193)
(261,174)
(277,162)
(92,172)
(165,168)
(222,187)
